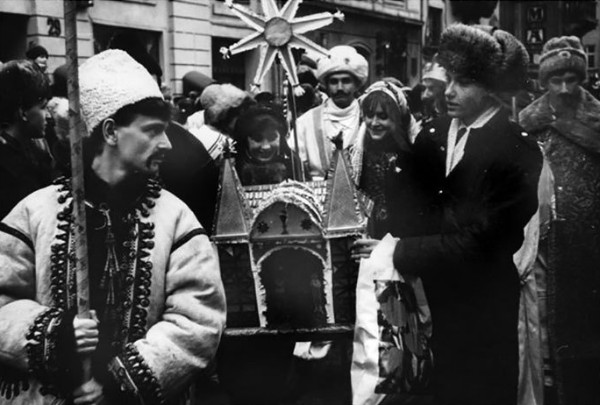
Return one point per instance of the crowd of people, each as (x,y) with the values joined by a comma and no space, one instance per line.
(461,179)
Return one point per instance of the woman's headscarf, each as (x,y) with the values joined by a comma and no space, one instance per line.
(396,94)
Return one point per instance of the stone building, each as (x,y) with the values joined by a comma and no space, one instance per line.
(185,35)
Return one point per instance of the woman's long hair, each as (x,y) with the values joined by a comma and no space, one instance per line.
(396,110)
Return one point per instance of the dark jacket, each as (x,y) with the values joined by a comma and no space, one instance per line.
(191,174)
(23,170)
(472,223)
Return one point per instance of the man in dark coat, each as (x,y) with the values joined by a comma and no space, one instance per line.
(479,172)
(565,120)
(24,168)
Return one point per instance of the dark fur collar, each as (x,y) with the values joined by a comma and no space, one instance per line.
(584,130)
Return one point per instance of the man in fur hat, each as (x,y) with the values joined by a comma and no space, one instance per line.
(155,288)
(342,74)
(565,121)
(478,173)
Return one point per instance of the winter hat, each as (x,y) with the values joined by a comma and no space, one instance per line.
(343,59)
(36,51)
(470,52)
(195,81)
(218,99)
(512,72)
(489,56)
(434,71)
(110,81)
(560,54)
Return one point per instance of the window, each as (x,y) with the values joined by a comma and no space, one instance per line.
(590,50)
(434,25)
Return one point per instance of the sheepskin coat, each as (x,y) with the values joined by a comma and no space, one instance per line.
(169,308)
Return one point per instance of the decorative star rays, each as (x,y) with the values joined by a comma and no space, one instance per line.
(276,33)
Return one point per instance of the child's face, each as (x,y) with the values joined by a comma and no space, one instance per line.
(265,145)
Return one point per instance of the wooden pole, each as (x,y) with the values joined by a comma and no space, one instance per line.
(292,98)
(76,132)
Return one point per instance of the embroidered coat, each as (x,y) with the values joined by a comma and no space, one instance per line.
(171,306)
(569,249)
(472,224)
(318,127)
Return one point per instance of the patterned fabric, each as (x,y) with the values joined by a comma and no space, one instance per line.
(377,166)
(569,240)
(166,315)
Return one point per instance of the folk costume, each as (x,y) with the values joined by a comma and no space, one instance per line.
(320,126)
(154,276)
(570,234)
(384,171)
(481,193)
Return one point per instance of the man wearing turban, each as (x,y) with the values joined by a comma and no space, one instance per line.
(342,74)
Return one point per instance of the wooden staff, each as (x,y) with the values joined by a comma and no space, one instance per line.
(76,132)
(294,117)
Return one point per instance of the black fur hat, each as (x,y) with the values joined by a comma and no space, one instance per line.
(491,57)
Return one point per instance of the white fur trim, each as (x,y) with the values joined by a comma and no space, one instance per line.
(110,81)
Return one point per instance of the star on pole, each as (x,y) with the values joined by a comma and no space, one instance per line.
(276,33)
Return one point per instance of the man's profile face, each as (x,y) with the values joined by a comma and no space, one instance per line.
(143,145)
(35,119)
(342,88)
(564,87)
(466,99)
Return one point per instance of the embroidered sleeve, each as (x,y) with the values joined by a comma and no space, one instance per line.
(132,381)
(51,352)
(32,335)
(185,340)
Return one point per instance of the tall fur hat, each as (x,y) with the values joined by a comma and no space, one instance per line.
(491,57)
(562,54)
(343,59)
(109,81)
(512,72)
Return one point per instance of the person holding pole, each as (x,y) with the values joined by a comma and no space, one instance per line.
(156,297)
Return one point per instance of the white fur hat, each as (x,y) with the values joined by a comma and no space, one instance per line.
(343,59)
(110,81)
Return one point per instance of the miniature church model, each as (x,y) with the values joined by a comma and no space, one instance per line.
(284,249)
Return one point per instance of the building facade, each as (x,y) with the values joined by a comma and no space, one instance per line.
(185,35)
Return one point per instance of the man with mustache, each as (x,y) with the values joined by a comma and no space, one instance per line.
(155,289)
(565,122)
(342,74)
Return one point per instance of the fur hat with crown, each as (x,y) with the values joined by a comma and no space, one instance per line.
(563,54)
